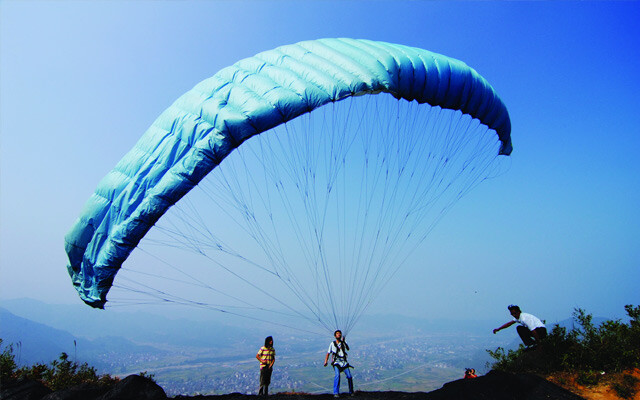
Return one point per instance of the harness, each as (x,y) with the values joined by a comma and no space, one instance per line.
(341,361)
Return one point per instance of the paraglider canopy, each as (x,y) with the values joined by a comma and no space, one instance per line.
(202,127)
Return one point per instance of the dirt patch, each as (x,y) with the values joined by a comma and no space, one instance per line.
(600,386)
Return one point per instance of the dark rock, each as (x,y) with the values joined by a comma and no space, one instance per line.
(84,391)
(493,386)
(498,385)
(23,389)
(135,387)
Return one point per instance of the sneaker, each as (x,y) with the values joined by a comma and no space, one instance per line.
(336,396)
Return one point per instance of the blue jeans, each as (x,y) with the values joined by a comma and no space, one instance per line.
(336,380)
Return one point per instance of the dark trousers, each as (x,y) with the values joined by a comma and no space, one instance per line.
(527,336)
(265,380)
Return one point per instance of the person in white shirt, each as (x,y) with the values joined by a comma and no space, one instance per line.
(338,348)
(531,328)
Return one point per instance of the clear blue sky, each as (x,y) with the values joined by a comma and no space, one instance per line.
(81,81)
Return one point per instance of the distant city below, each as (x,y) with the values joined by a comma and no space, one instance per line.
(205,357)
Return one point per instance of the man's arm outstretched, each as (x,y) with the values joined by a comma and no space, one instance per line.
(508,324)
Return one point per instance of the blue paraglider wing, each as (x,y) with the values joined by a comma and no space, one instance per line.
(203,126)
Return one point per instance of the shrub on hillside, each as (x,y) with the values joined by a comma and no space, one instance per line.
(7,363)
(60,374)
(626,388)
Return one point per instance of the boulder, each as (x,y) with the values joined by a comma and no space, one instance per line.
(497,385)
(135,387)
(23,389)
(85,391)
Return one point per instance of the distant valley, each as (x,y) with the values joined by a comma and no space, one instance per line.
(193,355)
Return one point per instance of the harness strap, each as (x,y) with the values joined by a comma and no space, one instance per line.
(344,351)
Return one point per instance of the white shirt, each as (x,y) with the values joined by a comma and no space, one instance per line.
(339,351)
(530,321)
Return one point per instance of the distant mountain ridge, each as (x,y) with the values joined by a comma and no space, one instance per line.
(139,327)
(34,342)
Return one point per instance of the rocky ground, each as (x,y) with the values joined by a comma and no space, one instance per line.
(493,386)
(628,382)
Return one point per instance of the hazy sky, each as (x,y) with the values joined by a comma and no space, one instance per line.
(81,81)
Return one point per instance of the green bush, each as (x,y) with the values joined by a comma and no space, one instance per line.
(612,346)
(627,388)
(588,378)
(63,374)
(7,363)
(149,376)
(60,374)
